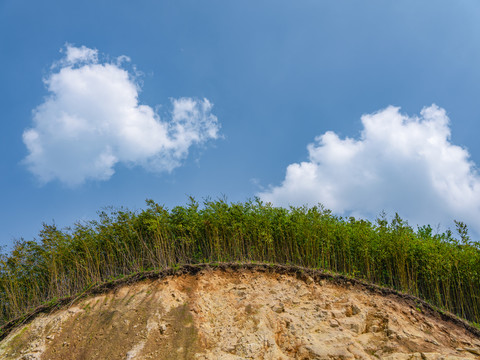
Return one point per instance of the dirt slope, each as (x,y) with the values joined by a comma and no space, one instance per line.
(243,313)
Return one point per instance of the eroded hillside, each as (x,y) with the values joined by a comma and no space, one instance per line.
(243,312)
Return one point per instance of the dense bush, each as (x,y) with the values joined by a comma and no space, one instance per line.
(435,267)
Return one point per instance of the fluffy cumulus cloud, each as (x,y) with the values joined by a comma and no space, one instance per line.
(399,164)
(92,120)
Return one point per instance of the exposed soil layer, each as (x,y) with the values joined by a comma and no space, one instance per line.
(233,311)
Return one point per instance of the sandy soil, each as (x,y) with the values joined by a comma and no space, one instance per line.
(242,314)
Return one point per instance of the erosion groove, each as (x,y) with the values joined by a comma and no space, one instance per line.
(239,311)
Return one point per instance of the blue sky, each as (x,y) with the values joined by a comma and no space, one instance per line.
(361,105)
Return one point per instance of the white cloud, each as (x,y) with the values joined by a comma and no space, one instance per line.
(399,164)
(76,55)
(92,120)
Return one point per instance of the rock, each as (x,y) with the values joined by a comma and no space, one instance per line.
(473,351)
(334,323)
(337,314)
(355,310)
(374,328)
(302,293)
(432,341)
(278,308)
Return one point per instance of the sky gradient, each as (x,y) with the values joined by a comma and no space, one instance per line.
(362,106)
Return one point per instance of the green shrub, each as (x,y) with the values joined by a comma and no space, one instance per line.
(435,267)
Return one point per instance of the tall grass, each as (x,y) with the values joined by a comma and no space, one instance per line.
(436,267)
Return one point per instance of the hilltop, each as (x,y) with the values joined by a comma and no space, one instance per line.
(436,267)
(235,311)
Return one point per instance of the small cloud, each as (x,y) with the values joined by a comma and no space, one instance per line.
(256,183)
(398,164)
(75,55)
(92,120)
